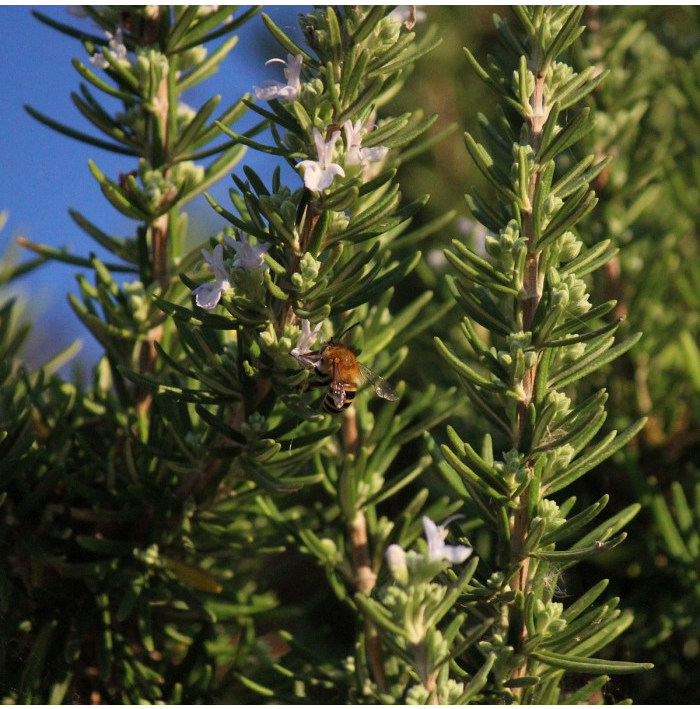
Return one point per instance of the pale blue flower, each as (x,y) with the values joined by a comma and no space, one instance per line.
(307,337)
(437,549)
(208,294)
(319,174)
(355,153)
(248,257)
(276,89)
(116,47)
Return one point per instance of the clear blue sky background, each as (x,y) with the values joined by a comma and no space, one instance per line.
(44,173)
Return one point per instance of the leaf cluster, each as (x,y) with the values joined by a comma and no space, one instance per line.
(529,334)
(646,207)
(219,537)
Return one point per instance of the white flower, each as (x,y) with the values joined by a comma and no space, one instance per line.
(307,337)
(248,257)
(318,174)
(356,154)
(276,89)
(208,294)
(116,48)
(437,549)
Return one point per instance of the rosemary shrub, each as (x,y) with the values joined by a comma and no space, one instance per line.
(246,503)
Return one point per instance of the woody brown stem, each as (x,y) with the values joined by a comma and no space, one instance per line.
(159,228)
(533,283)
(364,575)
(365,579)
(311,217)
(351,437)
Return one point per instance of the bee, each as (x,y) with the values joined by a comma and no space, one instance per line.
(338,367)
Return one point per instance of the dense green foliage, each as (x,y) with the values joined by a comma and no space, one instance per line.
(190,526)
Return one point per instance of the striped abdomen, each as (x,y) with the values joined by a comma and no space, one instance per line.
(338,397)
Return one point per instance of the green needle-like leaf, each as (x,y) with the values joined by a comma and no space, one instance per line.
(78,135)
(590,665)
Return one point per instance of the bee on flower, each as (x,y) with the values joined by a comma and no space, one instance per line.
(337,366)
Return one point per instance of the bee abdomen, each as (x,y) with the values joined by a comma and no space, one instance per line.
(329,405)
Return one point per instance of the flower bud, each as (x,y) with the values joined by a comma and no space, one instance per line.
(396,560)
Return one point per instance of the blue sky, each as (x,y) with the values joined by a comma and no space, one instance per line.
(43,173)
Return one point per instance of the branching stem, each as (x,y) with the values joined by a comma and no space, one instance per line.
(159,228)
(364,575)
(309,223)
(533,282)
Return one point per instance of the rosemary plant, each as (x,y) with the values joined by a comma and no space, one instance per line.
(530,333)
(103,595)
(243,505)
(170,489)
(648,205)
(307,263)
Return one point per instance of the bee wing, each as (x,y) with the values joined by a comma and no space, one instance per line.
(381,386)
(338,391)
